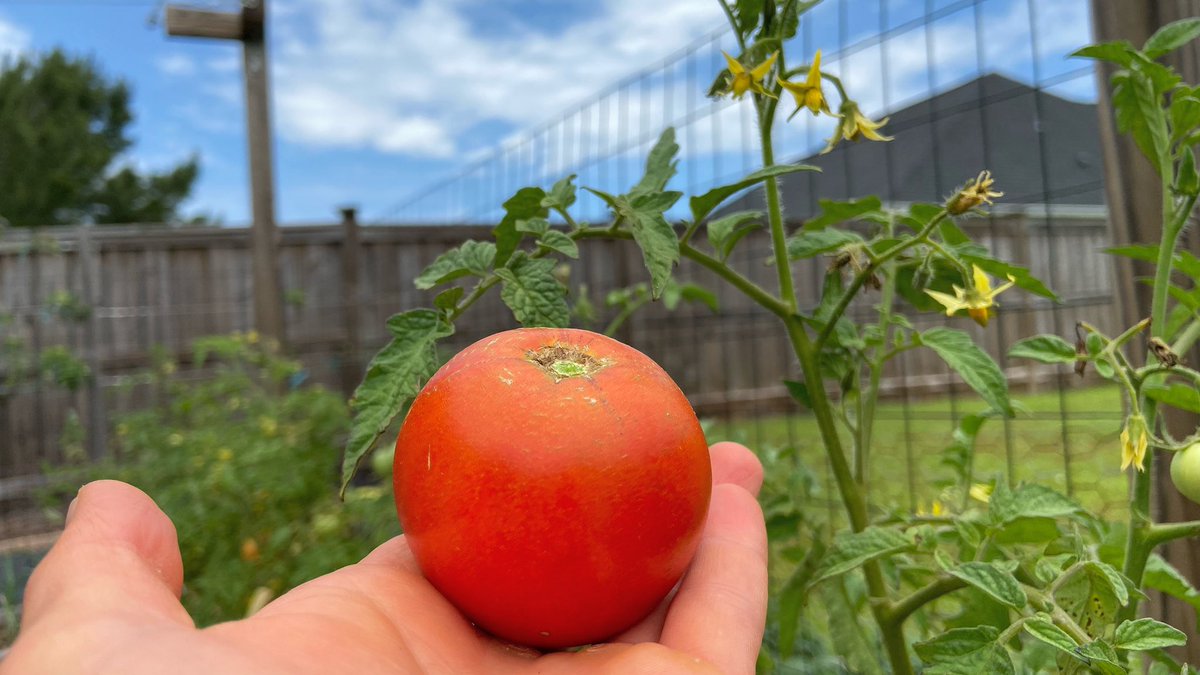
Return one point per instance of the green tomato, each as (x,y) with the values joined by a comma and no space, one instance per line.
(1185,472)
(381,462)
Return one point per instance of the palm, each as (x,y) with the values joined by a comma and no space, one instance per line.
(106,599)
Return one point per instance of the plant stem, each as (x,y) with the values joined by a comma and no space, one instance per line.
(868,270)
(1161,533)
(622,316)
(783,267)
(899,611)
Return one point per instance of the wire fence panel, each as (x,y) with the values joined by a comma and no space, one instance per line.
(968,85)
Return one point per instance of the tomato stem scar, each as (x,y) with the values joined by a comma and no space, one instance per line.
(564,361)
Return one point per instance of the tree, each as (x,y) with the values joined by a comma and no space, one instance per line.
(62,129)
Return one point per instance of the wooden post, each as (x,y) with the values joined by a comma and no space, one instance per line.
(249,28)
(97,422)
(1135,216)
(351,365)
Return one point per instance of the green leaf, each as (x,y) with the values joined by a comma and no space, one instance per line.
(472,257)
(1184,114)
(799,392)
(535,226)
(1139,113)
(675,293)
(704,204)
(1041,627)
(1171,37)
(1119,52)
(1142,634)
(660,165)
(1092,596)
(561,195)
(851,549)
(1187,181)
(1021,276)
(965,651)
(725,233)
(654,202)
(972,364)
(834,212)
(660,247)
(1044,348)
(1029,500)
(526,203)
(558,241)
(609,199)
(1095,345)
(810,243)
(1162,576)
(1176,394)
(448,299)
(1101,657)
(793,596)
(534,295)
(394,377)
(993,580)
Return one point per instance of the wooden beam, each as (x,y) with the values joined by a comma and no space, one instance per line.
(185,22)
(268,295)
(1135,216)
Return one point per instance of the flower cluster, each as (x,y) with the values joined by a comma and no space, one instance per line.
(809,95)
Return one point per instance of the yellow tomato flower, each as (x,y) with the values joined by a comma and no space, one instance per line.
(976,192)
(224,454)
(748,80)
(981,492)
(1134,441)
(855,126)
(935,509)
(979,300)
(809,94)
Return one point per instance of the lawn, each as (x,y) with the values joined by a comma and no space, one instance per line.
(1058,435)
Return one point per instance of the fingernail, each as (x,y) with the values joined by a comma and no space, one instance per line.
(71,508)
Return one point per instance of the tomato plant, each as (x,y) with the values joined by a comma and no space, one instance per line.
(553,484)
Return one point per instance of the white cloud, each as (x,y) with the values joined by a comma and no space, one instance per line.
(176,65)
(13,40)
(411,78)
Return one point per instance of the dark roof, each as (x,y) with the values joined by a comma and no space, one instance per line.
(989,123)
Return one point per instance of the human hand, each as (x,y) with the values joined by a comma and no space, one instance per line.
(106,599)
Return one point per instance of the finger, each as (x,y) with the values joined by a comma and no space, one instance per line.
(736,464)
(118,553)
(732,463)
(720,610)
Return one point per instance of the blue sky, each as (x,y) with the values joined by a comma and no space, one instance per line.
(374,99)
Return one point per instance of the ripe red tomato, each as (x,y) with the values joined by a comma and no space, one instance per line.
(552,483)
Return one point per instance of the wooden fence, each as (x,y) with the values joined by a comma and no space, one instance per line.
(153,287)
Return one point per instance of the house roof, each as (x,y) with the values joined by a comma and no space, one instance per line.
(1039,147)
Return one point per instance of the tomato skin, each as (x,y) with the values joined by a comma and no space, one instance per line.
(552,512)
(1185,472)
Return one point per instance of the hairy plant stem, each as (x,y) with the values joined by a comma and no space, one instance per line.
(1140,542)
(806,352)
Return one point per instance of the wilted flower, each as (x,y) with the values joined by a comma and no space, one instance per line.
(979,300)
(808,94)
(854,126)
(1134,441)
(748,80)
(976,192)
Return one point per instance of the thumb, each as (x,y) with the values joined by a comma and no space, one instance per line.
(118,555)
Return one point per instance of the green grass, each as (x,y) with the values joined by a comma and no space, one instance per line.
(1072,435)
